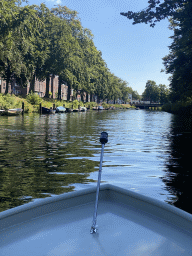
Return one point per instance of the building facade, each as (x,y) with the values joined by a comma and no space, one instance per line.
(39,87)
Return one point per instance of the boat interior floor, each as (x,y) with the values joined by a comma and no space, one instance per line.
(122,230)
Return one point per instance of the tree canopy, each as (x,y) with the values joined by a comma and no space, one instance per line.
(156,11)
(155,93)
(178,62)
(37,41)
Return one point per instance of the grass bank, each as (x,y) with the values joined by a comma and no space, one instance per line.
(32,102)
(180,107)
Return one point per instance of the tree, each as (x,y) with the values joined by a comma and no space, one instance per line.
(125,90)
(18,27)
(178,62)
(37,42)
(163,94)
(157,11)
(135,95)
(151,91)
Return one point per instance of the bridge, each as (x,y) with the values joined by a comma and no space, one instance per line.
(147,106)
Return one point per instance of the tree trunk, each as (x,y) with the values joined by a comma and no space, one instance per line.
(87,97)
(8,78)
(47,86)
(7,87)
(59,89)
(69,92)
(32,84)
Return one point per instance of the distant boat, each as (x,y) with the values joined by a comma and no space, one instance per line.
(2,112)
(13,112)
(100,108)
(60,109)
(83,109)
(76,110)
(69,110)
(48,110)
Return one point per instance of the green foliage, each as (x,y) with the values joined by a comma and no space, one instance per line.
(178,62)
(164,93)
(18,31)
(156,11)
(76,104)
(105,105)
(34,98)
(90,105)
(37,41)
(151,92)
(155,93)
(179,107)
(7,101)
(135,95)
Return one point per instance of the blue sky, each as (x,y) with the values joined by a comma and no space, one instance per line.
(132,52)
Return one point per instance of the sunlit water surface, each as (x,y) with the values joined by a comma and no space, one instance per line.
(47,155)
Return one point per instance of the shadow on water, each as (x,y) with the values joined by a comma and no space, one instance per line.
(42,156)
(178,178)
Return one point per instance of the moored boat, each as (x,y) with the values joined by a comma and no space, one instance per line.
(2,112)
(48,110)
(13,111)
(100,108)
(60,109)
(83,109)
(69,110)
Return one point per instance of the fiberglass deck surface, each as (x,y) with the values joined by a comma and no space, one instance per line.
(121,231)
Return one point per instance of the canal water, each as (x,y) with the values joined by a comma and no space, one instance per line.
(46,155)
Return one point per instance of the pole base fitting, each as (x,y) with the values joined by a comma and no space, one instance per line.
(93,230)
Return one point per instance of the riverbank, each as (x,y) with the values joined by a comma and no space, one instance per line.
(32,101)
(181,108)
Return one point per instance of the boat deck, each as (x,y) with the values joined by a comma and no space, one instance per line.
(127,225)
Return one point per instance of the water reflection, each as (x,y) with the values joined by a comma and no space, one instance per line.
(46,155)
(36,156)
(178,178)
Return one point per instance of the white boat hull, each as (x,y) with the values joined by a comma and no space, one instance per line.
(129,224)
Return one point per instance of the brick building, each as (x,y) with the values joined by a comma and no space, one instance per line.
(40,89)
(83,96)
(3,86)
(64,91)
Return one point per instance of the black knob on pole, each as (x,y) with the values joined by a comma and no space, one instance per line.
(104,137)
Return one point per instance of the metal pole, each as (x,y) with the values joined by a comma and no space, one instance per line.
(103,140)
(23,108)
